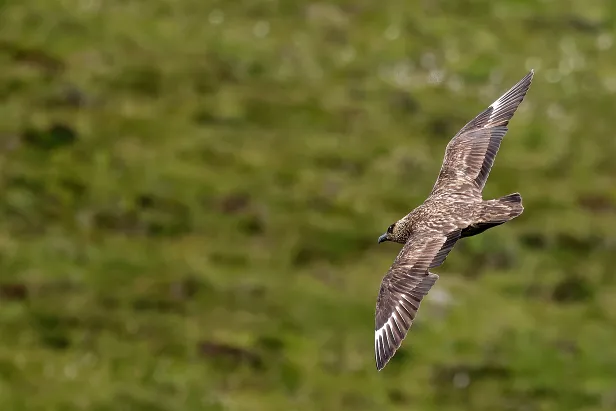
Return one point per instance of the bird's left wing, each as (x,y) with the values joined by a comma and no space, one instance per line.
(469,156)
(404,286)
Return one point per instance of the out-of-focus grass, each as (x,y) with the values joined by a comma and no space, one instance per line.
(192,193)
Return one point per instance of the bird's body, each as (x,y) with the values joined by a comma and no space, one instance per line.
(454,209)
(437,210)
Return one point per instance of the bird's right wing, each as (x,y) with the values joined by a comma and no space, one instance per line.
(404,286)
(469,156)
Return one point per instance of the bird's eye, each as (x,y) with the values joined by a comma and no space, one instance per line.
(391,229)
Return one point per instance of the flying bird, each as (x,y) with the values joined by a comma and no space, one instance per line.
(454,209)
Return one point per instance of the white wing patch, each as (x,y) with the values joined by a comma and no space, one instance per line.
(495,107)
(496,104)
(384,338)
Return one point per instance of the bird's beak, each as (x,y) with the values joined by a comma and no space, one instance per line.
(383,238)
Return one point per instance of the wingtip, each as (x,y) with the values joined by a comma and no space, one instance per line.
(529,76)
(380,365)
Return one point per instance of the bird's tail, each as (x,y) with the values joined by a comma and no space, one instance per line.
(505,208)
(495,212)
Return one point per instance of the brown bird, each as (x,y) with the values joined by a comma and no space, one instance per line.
(455,209)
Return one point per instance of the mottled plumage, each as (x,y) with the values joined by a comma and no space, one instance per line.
(455,209)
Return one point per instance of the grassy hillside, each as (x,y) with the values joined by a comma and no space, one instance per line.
(192,192)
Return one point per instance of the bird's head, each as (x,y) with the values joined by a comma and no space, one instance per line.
(393,233)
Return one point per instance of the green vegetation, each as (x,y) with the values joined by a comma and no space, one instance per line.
(192,192)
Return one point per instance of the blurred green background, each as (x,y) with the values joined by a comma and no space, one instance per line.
(192,190)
